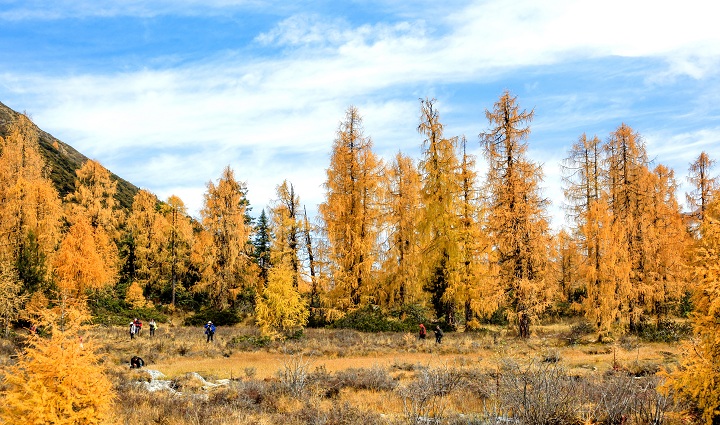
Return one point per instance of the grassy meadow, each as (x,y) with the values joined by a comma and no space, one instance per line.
(338,376)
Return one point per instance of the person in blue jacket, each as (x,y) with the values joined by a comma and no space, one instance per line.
(209,331)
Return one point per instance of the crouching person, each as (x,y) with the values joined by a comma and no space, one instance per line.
(136,362)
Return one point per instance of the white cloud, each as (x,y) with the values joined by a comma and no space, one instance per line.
(247,111)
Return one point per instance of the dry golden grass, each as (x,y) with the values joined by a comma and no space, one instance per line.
(256,394)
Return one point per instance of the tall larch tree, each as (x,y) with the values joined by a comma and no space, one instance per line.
(402,259)
(351,212)
(30,209)
(665,236)
(310,250)
(179,240)
(94,221)
(225,251)
(643,205)
(516,218)
(439,226)
(604,269)
(474,246)
(286,229)
(703,183)
(149,232)
(698,378)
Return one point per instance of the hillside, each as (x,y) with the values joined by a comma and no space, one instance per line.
(62,160)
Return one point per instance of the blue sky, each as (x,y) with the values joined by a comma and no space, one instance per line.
(167,93)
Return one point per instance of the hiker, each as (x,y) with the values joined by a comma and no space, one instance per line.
(153,326)
(138,325)
(133,329)
(438,334)
(423,331)
(209,331)
(136,362)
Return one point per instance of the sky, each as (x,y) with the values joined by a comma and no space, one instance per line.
(167,93)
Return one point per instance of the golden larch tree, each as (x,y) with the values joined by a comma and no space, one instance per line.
(84,263)
(92,212)
(224,250)
(516,213)
(279,307)
(604,269)
(57,379)
(350,213)
(703,183)
(474,245)
(30,208)
(439,226)
(149,232)
(698,378)
(286,229)
(402,257)
(179,239)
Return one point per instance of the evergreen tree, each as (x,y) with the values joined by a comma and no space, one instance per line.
(261,243)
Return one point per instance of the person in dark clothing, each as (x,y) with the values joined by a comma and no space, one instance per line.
(136,362)
(209,331)
(423,331)
(438,334)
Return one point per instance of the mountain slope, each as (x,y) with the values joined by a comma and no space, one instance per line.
(63,160)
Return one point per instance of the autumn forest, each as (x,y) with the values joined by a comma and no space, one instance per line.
(413,239)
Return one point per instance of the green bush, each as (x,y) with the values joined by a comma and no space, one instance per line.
(370,318)
(218,317)
(665,330)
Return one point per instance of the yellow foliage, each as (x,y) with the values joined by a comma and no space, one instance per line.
(57,380)
(224,245)
(134,295)
(30,203)
(698,378)
(280,308)
(86,259)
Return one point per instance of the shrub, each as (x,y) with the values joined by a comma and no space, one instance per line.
(539,394)
(664,330)
(375,378)
(218,317)
(370,318)
(294,375)
(425,399)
